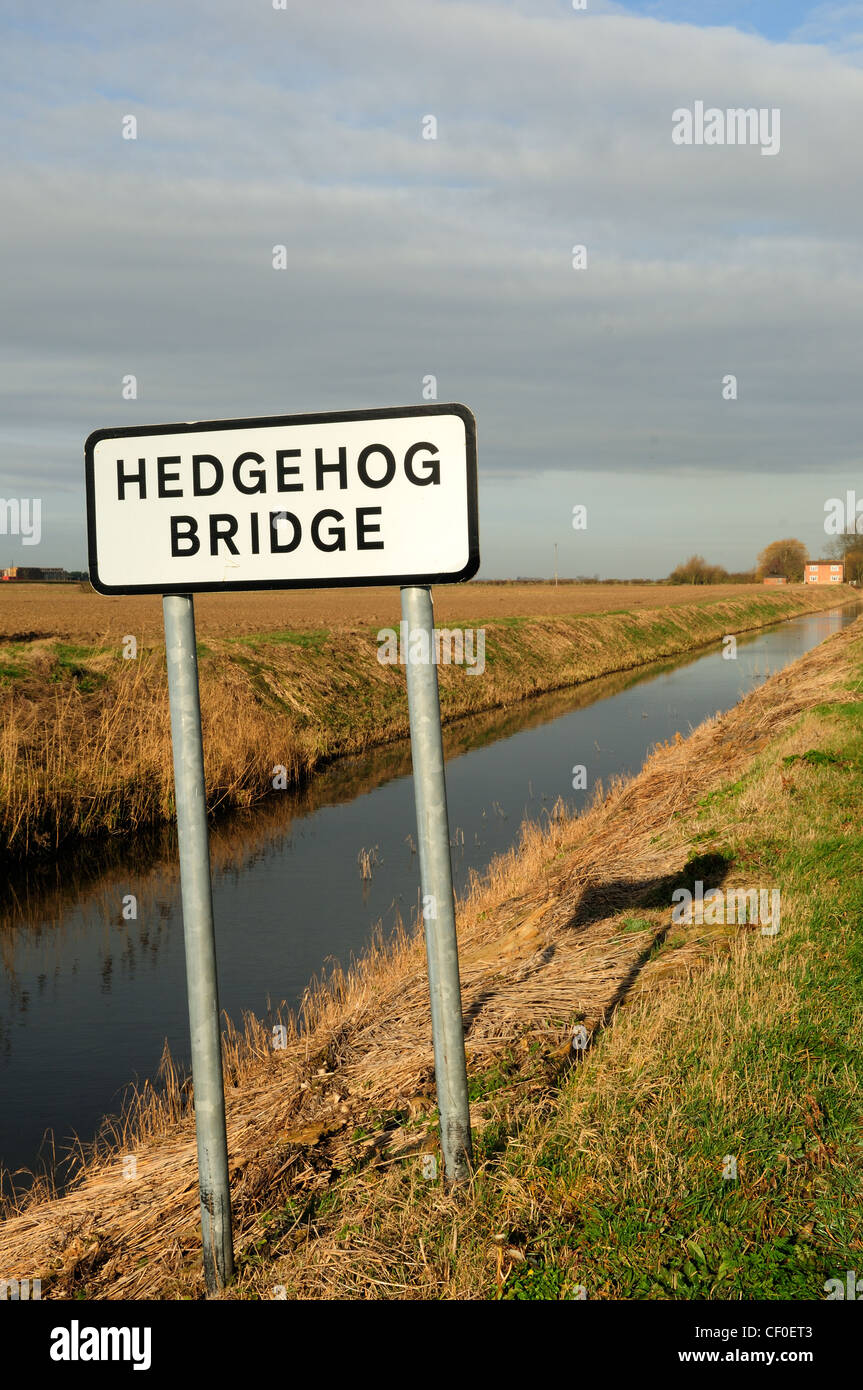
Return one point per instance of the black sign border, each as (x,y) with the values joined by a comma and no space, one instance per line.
(255,421)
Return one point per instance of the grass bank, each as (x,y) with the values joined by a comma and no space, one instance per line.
(606,1170)
(85,744)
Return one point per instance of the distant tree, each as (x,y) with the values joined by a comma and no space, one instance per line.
(853,566)
(696,570)
(783,557)
(840,546)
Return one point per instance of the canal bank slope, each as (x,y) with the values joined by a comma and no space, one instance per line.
(85,744)
(706,1144)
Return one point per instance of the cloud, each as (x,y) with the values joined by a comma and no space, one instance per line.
(451,256)
(837,27)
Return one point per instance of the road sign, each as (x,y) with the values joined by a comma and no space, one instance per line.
(289,501)
(293,501)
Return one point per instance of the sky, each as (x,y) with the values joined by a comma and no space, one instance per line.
(603,386)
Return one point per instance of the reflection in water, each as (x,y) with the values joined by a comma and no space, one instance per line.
(92,948)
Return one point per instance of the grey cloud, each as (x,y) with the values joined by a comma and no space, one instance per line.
(409,256)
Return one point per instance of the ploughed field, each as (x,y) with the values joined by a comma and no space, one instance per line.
(33,611)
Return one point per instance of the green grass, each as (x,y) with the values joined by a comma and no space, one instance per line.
(494,1078)
(312,638)
(783,1094)
(69,664)
(815,757)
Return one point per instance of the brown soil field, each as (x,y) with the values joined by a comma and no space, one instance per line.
(31,611)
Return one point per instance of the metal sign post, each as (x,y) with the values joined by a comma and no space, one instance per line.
(292,502)
(438,907)
(201,978)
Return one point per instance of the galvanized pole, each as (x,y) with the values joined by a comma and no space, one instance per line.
(436,881)
(201,978)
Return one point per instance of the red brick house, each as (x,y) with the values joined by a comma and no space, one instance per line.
(823,572)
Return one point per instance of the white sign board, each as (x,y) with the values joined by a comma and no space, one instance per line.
(293,501)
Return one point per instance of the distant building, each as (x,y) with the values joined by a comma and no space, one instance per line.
(28,574)
(823,572)
(25,574)
(775,579)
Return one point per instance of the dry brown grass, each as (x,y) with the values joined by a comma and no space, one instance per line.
(73,763)
(542,947)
